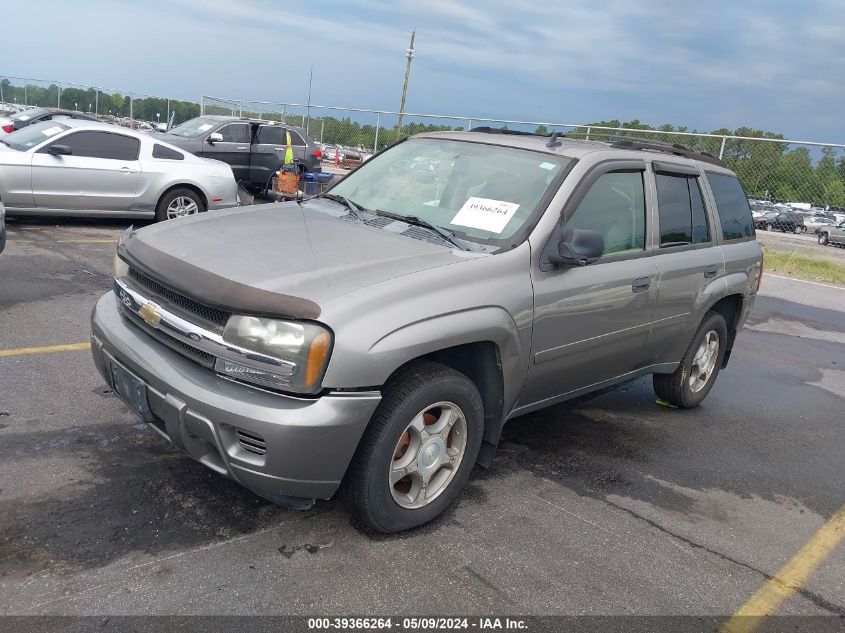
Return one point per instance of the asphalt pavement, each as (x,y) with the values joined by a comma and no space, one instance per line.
(615,505)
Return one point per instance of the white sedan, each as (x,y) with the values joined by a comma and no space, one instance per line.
(80,168)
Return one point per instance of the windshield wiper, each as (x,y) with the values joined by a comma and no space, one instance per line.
(446,234)
(353,208)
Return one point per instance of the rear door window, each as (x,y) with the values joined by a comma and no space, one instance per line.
(732,206)
(296,138)
(235,133)
(271,135)
(102,145)
(681,211)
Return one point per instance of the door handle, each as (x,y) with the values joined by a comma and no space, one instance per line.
(242,148)
(711,271)
(125,170)
(641,284)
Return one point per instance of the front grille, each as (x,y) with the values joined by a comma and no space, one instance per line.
(203,358)
(251,442)
(204,312)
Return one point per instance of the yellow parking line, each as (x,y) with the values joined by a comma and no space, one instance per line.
(790,578)
(24,351)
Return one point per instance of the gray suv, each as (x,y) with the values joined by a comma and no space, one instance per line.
(254,149)
(376,338)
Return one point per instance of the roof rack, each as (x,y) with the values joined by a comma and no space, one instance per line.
(669,148)
(486,129)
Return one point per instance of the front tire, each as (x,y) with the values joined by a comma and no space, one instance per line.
(418,450)
(823,239)
(179,202)
(694,378)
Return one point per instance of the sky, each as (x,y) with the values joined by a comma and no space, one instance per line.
(773,65)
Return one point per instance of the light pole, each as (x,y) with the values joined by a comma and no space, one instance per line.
(410,53)
(308,107)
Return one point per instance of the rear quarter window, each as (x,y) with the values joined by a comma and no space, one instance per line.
(162,151)
(732,206)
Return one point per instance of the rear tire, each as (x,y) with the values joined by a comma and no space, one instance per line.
(692,381)
(179,202)
(423,396)
(769,227)
(824,239)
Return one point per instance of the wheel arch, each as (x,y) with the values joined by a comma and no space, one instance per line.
(730,307)
(481,362)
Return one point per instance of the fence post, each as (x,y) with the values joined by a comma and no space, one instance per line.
(469,124)
(722,149)
(24,92)
(284,113)
(131,106)
(323,127)
(59,99)
(167,120)
(240,109)
(202,105)
(588,133)
(96,101)
(302,123)
(378,124)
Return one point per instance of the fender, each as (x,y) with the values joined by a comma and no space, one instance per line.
(371,364)
(486,323)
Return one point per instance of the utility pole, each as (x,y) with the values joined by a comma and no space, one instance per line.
(308,107)
(410,53)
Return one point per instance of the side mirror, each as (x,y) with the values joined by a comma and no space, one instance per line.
(59,150)
(214,137)
(577,247)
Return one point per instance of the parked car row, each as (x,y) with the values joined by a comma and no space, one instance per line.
(29,116)
(339,154)
(62,162)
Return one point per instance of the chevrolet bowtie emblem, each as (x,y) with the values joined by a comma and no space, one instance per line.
(149,312)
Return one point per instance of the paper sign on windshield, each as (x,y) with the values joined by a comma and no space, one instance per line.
(205,126)
(485,214)
(50,131)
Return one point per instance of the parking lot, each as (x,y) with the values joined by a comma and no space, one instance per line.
(613,505)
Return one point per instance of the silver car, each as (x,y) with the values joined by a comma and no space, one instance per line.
(85,168)
(375,339)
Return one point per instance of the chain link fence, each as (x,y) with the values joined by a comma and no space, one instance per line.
(131,109)
(781,176)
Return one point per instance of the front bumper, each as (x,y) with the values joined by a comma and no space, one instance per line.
(309,442)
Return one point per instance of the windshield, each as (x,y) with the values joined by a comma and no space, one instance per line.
(35,134)
(194,127)
(481,192)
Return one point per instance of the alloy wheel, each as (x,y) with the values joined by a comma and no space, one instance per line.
(704,361)
(428,455)
(181,206)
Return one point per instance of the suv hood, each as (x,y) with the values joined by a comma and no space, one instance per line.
(276,259)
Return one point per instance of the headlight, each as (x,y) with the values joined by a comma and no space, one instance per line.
(119,268)
(302,348)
